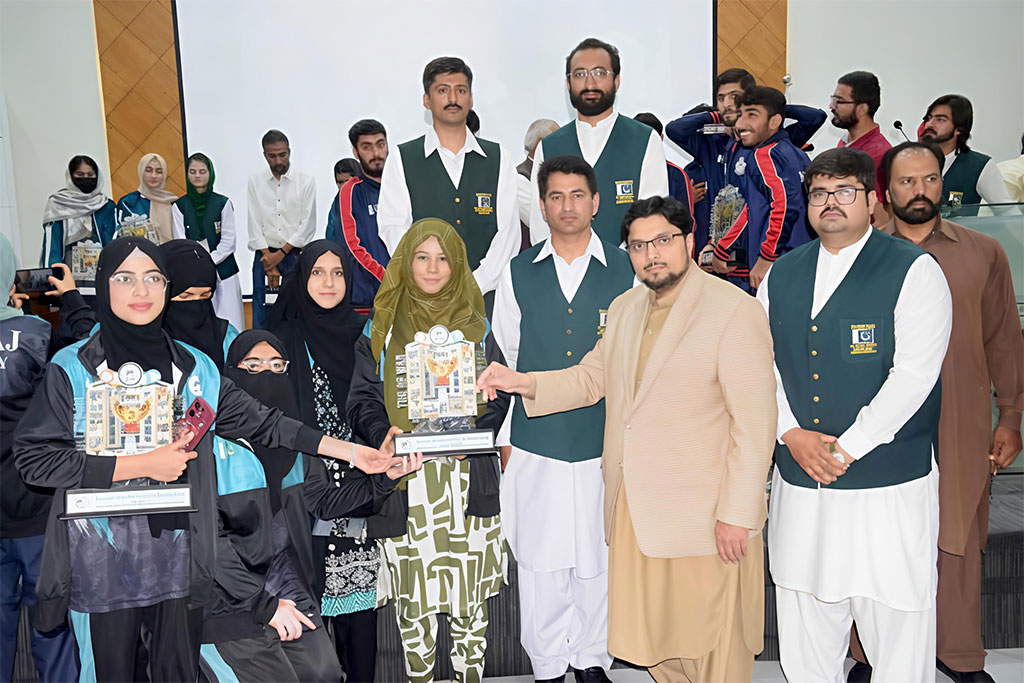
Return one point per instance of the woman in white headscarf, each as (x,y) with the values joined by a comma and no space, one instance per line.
(151,199)
(78,212)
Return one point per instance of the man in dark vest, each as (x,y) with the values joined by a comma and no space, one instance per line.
(549,311)
(450,174)
(860,322)
(627,156)
(968,176)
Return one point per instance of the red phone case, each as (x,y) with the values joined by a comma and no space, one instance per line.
(198,419)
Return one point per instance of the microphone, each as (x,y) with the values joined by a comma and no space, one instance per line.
(898,125)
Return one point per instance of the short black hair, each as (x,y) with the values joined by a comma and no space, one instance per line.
(865,88)
(274,135)
(673,210)
(890,155)
(963,118)
(80,159)
(445,65)
(842,162)
(741,76)
(473,122)
(595,44)
(569,164)
(347,165)
(649,119)
(761,95)
(365,127)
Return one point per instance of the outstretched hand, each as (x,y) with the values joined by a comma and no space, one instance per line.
(497,378)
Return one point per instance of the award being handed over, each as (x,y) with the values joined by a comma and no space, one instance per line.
(727,208)
(436,381)
(126,413)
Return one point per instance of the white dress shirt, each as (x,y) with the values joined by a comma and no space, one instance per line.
(226,245)
(878,543)
(281,211)
(551,510)
(592,139)
(523,196)
(394,208)
(990,186)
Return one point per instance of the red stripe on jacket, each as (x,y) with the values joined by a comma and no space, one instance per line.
(348,229)
(779,201)
(730,237)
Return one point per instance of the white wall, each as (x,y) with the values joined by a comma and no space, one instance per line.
(49,73)
(919,50)
(307,68)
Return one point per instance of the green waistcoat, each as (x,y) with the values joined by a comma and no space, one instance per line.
(211,226)
(961,179)
(555,334)
(617,169)
(833,364)
(471,208)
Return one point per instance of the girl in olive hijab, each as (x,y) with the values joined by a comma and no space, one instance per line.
(441,534)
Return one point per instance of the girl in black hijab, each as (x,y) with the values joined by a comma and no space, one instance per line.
(190,317)
(298,487)
(315,320)
(113,574)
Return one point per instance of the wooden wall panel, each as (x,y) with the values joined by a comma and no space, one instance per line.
(752,36)
(138,70)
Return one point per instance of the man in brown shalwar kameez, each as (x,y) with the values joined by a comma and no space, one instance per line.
(985,349)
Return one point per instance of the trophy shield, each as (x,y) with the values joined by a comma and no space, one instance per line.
(138,226)
(436,382)
(727,207)
(85,256)
(124,416)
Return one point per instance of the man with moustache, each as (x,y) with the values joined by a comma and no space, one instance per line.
(352,221)
(968,176)
(281,205)
(451,174)
(549,310)
(985,349)
(859,322)
(768,170)
(684,499)
(706,133)
(627,157)
(853,105)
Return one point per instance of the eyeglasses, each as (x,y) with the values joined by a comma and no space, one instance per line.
(599,74)
(254,366)
(844,196)
(128,282)
(835,100)
(638,247)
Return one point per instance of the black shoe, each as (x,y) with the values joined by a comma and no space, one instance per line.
(964,676)
(860,673)
(592,674)
(558,679)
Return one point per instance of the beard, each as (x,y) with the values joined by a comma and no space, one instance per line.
(280,169)
(658,284)
(936,138)
(598,106)
(372,167)
(917,215)
(844,123)
(729,117)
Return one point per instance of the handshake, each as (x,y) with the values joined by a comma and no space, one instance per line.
(497,378)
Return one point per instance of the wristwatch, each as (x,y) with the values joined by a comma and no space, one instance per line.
(835,452)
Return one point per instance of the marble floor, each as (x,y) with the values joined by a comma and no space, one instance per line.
(1006,666)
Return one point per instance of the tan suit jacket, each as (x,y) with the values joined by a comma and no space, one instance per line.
(693,444)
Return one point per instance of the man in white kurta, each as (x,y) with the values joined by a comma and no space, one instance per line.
(853,515)
(628,157)
(548,313)
(475,192)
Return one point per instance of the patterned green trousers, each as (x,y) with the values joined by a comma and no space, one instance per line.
(469,644)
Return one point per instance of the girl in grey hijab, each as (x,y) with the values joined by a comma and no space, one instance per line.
(78,212)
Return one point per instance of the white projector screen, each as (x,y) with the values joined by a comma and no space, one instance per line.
(312,68)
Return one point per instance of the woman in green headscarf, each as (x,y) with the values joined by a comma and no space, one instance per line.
(442,535)
(209,218)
